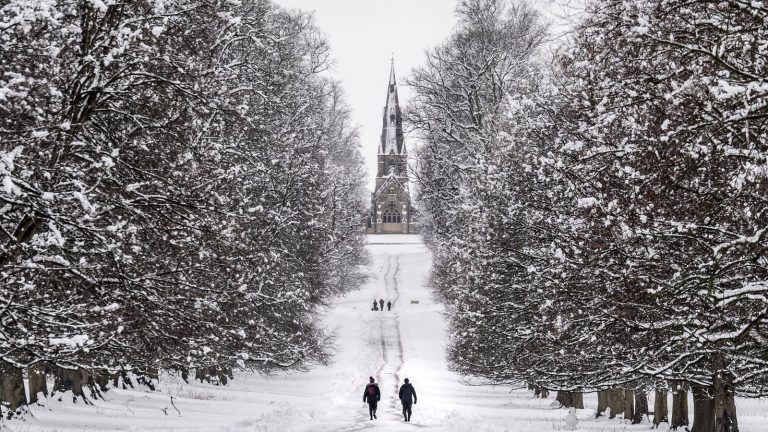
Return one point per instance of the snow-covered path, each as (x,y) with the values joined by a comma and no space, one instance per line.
(389,345)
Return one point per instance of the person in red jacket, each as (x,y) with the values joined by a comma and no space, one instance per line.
(372,395)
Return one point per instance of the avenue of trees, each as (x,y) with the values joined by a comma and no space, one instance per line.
(598,215)
(181,190)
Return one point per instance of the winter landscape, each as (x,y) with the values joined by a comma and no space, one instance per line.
(408,341)
(559,221)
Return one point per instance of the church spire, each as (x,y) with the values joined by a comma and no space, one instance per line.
(391,210)
(392,71)
(392,125)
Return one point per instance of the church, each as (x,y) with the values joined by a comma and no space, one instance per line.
(391,210)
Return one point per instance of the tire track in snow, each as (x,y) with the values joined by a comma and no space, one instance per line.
(388,330)
(391,339)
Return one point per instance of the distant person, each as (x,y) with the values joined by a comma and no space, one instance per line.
(375,304)
(381,304)
(389,305)
(407,398)
(372,395)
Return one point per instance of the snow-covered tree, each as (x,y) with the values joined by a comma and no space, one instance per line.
(472,102)
(631,190)
(671,155)
(181,187)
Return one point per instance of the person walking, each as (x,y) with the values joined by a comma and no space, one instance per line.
(381,304)
(372,395)
(389,305)
(407,398)
(375,305)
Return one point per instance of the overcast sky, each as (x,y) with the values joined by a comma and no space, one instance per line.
(364,34)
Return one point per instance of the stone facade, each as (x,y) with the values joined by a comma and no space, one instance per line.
(391,210)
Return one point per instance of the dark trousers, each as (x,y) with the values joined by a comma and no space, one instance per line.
(407,408)
(372,409)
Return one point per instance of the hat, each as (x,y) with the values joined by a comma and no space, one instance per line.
(372,380)
(406,380)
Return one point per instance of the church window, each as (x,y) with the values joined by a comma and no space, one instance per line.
(391,213)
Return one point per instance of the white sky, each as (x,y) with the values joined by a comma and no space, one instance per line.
(364,34)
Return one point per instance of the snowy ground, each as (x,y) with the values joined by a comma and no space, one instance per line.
(406,342)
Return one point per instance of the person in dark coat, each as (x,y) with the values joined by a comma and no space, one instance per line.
(407,398)
(375,305)
(389,305)
(381,304)
(372,395)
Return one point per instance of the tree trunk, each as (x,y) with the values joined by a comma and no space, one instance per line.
(641,406)
(225,374)
(725,405)
(660,410)
(629,404)
(147,377)
(92,384)
(703,410)
(11,388)
(202,374)
(570,399)
(101,378)
(565,398)
(71,379)
(127,381)
(603,402)
(37,381)
(616,402)
(577,398)
(679,408)
(538,391)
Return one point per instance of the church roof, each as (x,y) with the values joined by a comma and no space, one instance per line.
(400,183)
(392,127)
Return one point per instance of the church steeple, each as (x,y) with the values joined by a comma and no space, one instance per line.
(391,210)
(392,124)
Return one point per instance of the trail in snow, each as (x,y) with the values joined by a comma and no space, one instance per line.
(389,372)
(391,345)
(391,340)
